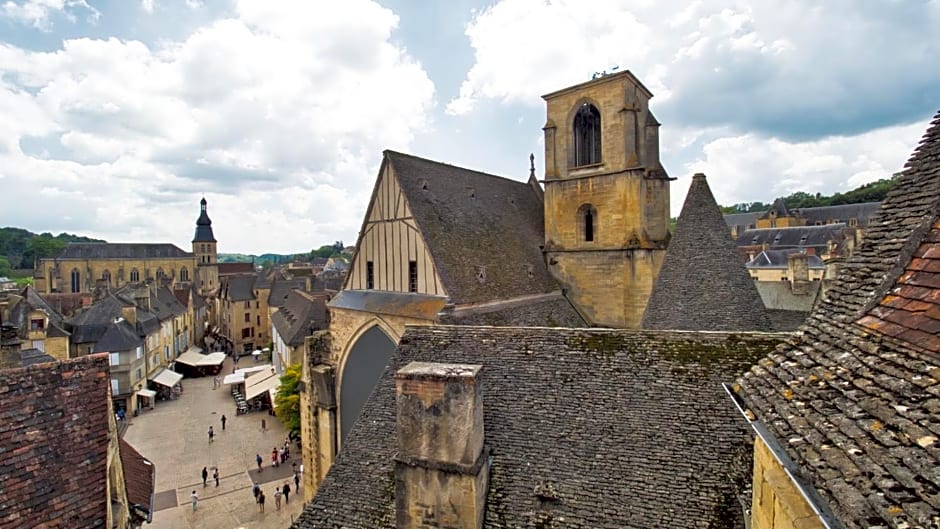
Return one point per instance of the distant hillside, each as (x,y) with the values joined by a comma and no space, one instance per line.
(870,192)
(20,247)
(269,258)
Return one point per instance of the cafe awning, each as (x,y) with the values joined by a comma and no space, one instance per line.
(146,393)
(168,378)
(259,387)
(245,371)
(234,378)
(194,359)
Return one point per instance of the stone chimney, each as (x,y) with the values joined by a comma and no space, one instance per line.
(129,313)
(442,467)
(798,272)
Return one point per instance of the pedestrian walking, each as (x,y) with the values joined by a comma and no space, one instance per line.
(264,426)
(296,481)
(277,498)
(215,476)
(261,500)
(223,422)
(259,460)
(205,475)
(195,499)
(286,490)
(282,455)
(211,434)
(256,490)
(274,457)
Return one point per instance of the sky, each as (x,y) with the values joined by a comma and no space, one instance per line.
(117,116)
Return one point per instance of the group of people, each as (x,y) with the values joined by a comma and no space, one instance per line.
(279,456)
(279,492)
(205,475)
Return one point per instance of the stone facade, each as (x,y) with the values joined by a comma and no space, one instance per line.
(607,216)
(777,503)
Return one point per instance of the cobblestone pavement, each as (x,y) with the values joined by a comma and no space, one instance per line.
(174,436)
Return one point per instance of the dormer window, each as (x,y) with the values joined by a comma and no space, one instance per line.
(586,132)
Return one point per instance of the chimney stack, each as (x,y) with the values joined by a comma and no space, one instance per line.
(129,313)
(798,271)
(442,467)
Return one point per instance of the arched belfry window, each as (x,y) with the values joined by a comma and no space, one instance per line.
(587,220)
(587,136)
(76,280)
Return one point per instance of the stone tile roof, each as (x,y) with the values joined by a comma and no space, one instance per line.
(90,324)
(743,220)
(855,398)
(54,444)
(238,287)
(326,281)
(119,336)
(281,289)
(632,429)
(139,475)
(552,310)
(472,220)
(111,250)
(702,284)
(777,209)
(863,211)
(32,300)
(300,316)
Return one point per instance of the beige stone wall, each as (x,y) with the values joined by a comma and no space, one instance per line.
(611,289)
(116,487)
(780,222)
(777,503)
(57,273)
(57,348)
(781,274)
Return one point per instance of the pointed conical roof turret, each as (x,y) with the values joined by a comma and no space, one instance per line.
(703,284)
(203,224)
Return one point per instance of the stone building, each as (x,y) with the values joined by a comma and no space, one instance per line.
(539,427)
(83,267)
(300,316)
(846,413)
(39,326)
(780,216)
(64,464)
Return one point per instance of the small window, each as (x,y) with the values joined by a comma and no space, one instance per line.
(160,273)
(247,304)
(184,274)
(853,222)
(259,320)
(37,324)
(246,332)
(140,352)
(370,275)
(247,318)
(481,274)
(412,276)
(114,359)
(588,222)
(115,387)
(135,276)
(140,374)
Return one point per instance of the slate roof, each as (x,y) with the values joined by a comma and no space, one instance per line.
(139,475)
(325,281)
(632,428)
(470,220)
(54,444)
(778,259)
(300,316)
(702,284)
(119,336)
(777,209)
(742,220)
(797,237)
(842,213)
(855,399)
(238,287)
(24,357)
(281,290)
(112,250)
(91,324)
(552,310)
(203,224)
(32,300)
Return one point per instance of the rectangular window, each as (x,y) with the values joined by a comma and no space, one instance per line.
(259,320)
(247,304)
(166,351)
(256,304)
(37,324)
(140,352)
(247,318)
(370,275)
(39,344)
(115,387)
(139,374)
(246,333)
(115,359)
(412,276)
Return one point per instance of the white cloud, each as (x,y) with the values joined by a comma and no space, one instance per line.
(278,114)
(37,13)
(147,5)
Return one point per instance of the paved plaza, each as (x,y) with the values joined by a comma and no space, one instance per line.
(174,436)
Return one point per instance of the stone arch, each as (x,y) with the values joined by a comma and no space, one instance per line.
(363,363)
(584,128)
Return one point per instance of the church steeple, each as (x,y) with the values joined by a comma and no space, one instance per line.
(203,224)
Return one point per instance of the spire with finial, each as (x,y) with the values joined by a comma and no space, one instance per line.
(203,224)
(533,181)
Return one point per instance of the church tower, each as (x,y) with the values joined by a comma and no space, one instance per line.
(606,197)
(207,269)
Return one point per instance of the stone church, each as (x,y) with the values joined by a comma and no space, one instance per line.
(444,245)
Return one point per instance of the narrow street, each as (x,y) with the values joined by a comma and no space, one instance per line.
(174,436)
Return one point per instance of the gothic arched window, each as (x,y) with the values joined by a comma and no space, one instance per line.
(587,222)
(587,136)
(184,274)
(160,274)
(76,280)
(135,276)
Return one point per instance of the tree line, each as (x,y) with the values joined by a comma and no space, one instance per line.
(20,248)
(870,192)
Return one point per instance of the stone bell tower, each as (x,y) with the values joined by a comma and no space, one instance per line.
(606,197)
(204,248)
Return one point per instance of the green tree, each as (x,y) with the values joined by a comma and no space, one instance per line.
(287,399)
(5,267)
